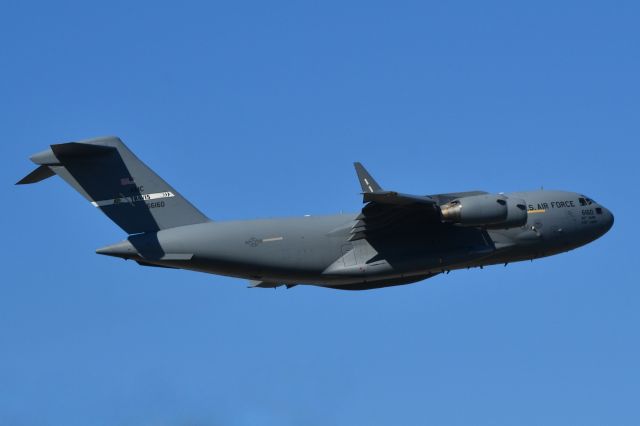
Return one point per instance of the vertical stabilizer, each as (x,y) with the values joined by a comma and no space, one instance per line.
(114,180)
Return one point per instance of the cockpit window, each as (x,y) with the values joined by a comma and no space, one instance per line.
(585,201)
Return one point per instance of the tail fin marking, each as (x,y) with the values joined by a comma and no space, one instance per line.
(113,179)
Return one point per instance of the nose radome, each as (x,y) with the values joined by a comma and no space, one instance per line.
(609,219)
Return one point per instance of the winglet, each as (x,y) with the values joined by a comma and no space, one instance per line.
(367,182)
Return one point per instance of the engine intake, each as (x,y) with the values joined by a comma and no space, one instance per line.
(488,210)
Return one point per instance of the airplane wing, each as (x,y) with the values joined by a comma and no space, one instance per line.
(391,211)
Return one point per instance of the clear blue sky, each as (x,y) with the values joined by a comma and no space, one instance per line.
(256,109)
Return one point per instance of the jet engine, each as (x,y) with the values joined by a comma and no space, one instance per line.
(488,211)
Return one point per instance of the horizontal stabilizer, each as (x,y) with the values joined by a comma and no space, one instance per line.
(79,150)
(39,174)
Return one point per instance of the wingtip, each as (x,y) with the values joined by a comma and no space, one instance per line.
(367,182)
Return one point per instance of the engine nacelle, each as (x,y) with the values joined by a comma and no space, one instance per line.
(488,211)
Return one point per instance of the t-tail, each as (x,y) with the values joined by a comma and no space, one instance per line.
(114,180)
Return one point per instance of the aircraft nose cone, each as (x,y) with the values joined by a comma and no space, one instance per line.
(608,221)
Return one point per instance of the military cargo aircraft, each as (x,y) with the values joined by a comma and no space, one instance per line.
(395,239)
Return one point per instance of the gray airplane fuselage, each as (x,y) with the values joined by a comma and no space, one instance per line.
(315,249)
(395,239)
